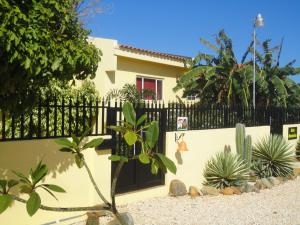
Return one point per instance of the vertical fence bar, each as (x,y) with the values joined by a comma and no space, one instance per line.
(3,125)
(55,117)
(30,131)
(83,114)
(102,117)
(13,127)
(63,117)
(97,115)
(77,117)
(22,126)
(39,131)
(70,117)
(47,117)
(91,115)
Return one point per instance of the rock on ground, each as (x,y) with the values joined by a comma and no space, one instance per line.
(277,206)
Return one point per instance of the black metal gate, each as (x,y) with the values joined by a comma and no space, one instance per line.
(135,175)
(276,120)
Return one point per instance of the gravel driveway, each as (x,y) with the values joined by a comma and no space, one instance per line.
(280,205)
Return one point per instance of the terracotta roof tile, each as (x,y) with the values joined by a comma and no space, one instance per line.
(149,52)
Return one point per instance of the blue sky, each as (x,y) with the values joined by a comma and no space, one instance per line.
(176,26)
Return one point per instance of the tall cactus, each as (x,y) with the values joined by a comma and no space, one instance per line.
(243,144)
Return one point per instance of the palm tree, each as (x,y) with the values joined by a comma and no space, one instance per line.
(274,87)
(220,79)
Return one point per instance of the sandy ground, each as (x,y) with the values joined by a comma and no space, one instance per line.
(279,205)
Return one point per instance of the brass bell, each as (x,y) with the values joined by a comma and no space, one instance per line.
(182,146)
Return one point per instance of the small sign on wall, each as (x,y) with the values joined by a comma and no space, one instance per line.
(182,123)
(292,133)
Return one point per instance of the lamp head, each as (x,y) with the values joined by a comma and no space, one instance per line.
(259,21)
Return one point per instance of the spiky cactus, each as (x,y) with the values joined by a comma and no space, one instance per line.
(243,144)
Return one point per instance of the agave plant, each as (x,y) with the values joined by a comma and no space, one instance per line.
(260,169)
(226,169)
(275,154)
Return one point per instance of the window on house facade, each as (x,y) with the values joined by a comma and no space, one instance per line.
(154,85)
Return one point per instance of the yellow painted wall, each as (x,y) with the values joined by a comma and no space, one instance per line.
(128,69)
(21,155)
(202,145)
(118,67)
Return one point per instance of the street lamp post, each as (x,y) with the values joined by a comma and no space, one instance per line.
(259,22)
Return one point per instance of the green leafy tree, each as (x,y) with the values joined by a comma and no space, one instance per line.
(41,41)
(274,86)
(218,78)
(130,129)
(129,93)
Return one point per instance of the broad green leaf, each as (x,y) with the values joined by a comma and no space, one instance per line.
(50,193)
(66,149)
(144,158)
(79,161)
(130,138)
(22,176)
(12,183)
(54,187)
(93,143)
(39,173)
(33,203)
(65,142)
(169,164)
(154,167)
(25,189)
(75,139)
(152,134)
(141,119)
(114,158)
(124,159)
(5,202)
(117,128)
(129,113)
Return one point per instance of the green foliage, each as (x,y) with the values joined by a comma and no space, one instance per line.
(41,41)
(28,185)
(274,87)
(298,149)
(130,93)
(243,144)
(33,203)
(5,201)
(222,79)
(218,78)
(225,170)
(131,131)
(76,146)
(260,169)
(275,155)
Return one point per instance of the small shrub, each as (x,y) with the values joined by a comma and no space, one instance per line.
(275,155)
(225,170)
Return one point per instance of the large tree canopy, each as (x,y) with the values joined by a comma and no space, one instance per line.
(41,40)
(221,79)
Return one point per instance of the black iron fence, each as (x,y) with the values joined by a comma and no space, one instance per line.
(61,118)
